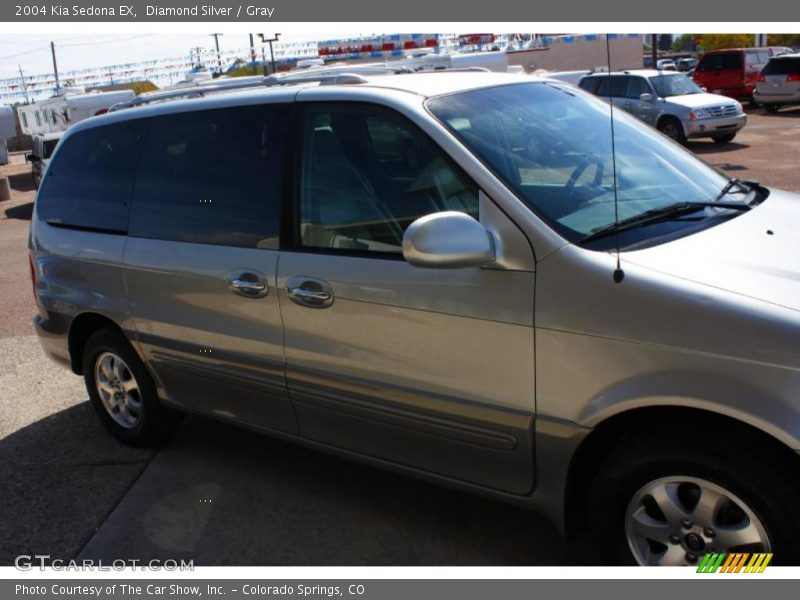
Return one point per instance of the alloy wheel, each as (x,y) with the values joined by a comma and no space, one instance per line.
(118,389)
(676,520)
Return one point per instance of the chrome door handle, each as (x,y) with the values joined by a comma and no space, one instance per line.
(248,283)
(309,291)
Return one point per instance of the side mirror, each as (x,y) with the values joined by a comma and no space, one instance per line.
(646,97)
(447,240)
(31,158)
(704,89)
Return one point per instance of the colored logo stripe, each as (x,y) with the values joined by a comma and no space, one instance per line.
(734,562)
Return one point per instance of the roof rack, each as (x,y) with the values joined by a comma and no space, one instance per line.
(322,75)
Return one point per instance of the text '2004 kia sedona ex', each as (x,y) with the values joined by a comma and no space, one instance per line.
(453,274)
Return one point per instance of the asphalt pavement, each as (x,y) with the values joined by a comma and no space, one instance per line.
(221,495)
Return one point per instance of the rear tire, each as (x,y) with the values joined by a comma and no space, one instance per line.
(673,129)
(759,492)
(724,139)
(123,393)
(772,108)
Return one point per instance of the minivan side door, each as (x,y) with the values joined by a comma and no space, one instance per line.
(428,368)
(201,258)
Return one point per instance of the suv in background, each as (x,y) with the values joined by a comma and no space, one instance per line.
(461,276)
(731,72)
(778,84)
(44,145)
(670,102)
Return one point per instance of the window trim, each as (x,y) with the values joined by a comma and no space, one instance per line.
(290,225)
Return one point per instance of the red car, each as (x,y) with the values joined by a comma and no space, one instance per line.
(731,72)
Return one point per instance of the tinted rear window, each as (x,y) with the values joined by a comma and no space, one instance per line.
(714,62)
(613,86)
(89,180)
(782,66)
(213,177)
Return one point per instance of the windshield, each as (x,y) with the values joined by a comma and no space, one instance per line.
(551,144)
(674,85)
(47,148)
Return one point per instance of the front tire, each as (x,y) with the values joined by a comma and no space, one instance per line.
(724,139)
(668,499)
(772,108)
(123,393)
(673,129)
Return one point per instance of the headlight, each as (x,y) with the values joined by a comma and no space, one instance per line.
(699,113)
(739,109)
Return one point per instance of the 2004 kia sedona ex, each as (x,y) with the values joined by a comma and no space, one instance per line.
(461,275)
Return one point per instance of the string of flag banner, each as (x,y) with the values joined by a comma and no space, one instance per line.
(169,70)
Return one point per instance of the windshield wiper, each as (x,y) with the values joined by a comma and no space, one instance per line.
(745,186)
(662,213)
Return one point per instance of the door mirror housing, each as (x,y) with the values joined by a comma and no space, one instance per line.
(646,97)
(448,240)
(31,158)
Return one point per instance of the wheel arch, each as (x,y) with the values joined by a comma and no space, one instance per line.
(599,443)
(80,329)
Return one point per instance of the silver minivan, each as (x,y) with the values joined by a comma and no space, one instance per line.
(460,276)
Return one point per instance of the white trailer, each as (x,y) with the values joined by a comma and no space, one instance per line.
(8,129)
(70,105)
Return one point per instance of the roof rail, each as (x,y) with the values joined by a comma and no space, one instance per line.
(323,76)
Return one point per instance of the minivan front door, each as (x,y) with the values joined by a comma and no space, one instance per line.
(428,368)
(201,260)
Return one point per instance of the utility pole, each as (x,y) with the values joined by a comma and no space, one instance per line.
(654,49)
(252,50)
(24,85)
(198,51)
(219,58)
(55,66)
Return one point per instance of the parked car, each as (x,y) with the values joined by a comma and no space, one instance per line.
(779,50)
(39,157)
(686,64)
(731,72)
(670,102)
(779,82)
(666,64)
(456,276)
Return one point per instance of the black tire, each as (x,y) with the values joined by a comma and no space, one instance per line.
(155,422)
(772,108)
(755,470)
(724,139)
(673,129)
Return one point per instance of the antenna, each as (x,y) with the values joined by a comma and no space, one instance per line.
(619,274)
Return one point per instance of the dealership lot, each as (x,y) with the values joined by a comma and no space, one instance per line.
(223,496)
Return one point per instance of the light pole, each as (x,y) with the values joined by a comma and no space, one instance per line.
(265,39)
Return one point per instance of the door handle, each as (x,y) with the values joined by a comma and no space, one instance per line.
(309,292)
(248,283)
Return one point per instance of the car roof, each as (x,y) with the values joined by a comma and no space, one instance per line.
(423,85)
(787,55)
(54,135)
(641,72)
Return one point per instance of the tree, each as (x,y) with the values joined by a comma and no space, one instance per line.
(684,42)
(717,41)
(665,42)
(784,39)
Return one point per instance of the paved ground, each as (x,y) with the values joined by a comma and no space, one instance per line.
(224,496)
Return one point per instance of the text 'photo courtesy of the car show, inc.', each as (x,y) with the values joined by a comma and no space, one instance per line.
(316,301)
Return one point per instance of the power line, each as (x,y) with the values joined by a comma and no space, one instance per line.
(24,53)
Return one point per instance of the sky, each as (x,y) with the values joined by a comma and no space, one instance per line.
(32,52)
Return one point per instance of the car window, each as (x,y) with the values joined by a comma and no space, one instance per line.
(367,174)
(612,86)
(213,177)
(782,66)
(719,62)
(674,85)
(89,181)
(564,167)
(636,87)
(590,84)
(47,148)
